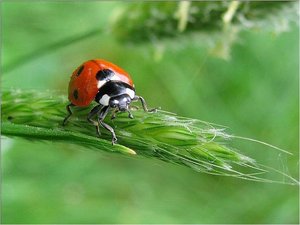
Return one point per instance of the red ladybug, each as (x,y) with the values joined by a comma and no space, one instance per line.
(109,85)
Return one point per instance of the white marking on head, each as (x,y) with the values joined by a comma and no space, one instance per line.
(115,77)
(104,100)
(102,82)
(130,92)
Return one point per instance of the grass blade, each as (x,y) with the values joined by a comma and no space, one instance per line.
(202,146)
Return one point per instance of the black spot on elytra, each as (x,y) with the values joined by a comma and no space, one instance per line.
(75,94)
(80,70)
(104,74)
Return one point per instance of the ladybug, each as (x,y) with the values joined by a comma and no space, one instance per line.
(108,85)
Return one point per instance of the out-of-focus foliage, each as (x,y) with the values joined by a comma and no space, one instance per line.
(215,23)
(255,94)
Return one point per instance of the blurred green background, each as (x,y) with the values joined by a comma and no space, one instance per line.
(255,94)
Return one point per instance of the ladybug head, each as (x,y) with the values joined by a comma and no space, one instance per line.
(121,102)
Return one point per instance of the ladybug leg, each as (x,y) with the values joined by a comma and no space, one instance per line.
(133,107)
(144,104)
(101,116)
(113,116)
(92,113)
(68,107)
(129,114)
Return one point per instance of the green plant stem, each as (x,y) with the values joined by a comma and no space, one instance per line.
(202,146)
